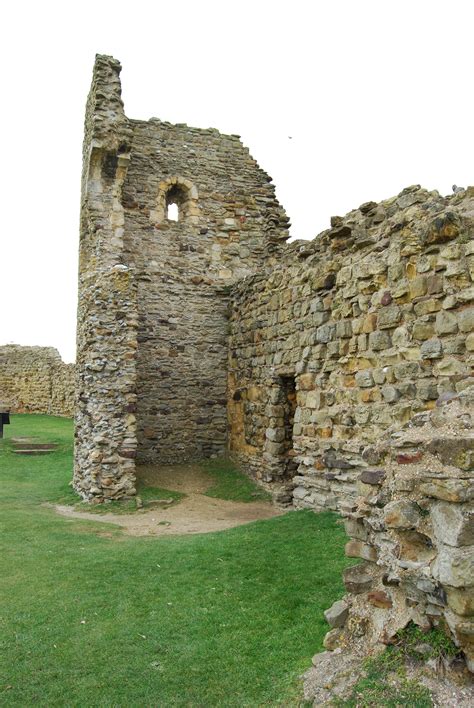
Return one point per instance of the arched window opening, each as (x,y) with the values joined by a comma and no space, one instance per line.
(177,200)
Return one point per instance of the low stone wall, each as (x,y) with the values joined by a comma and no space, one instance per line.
(36,380)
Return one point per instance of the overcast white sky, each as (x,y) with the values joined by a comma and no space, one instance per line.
(375,94)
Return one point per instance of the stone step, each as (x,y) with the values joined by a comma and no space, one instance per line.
(34,451)
(35,446)
(16,441)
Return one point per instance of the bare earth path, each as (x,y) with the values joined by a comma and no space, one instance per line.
(195,513)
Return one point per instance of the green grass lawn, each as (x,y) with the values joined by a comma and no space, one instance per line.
(223,619)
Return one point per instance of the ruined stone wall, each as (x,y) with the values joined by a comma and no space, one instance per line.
(374,326)
(413,526)
(36,380)
(229,224)
(373,319)
(105,428)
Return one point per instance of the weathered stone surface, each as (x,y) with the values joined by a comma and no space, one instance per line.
(336,615)
(355,529)
(443,228)
(446,322)
(358,549)
(372,476)
(451,490)
(402,514)
(431,349)
(332,640)
(453,524)
(356,579)
(466,320)
(461,600)
(379,598)
(454,566)
(36,380)
(364,379)
(389,316)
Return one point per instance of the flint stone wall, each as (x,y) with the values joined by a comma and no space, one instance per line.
(374,323)
(36,380)
(229,226)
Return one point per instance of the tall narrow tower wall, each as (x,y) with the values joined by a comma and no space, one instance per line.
(105,430)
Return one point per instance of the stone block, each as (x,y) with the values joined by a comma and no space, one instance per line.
(275,434)
(402,514)
(450,450)
(333,639)
(344,328)
(409,458)
(451,490)
(449,366)
(379,340)
(466,320)
(432,349)
(380,599)
(374,477)
(423,329)
(453,524)
(356,579)
(426,306)
(418,286)
(355,529)
(274,448)
(358,549)
(364,378)
(300,492)
(305,382)
(443,228)
(454,566)
(446,322)
(389,316)
(325,333)
(337,614)
(461,600)
(434,284)
(390,393)
(427,390)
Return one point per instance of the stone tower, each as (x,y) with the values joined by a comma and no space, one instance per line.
(153,289)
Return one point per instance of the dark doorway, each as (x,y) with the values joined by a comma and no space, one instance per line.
(288,402)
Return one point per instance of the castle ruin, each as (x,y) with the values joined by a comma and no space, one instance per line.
(337,370)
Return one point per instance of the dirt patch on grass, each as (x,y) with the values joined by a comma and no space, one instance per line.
(187,479)
(195,513)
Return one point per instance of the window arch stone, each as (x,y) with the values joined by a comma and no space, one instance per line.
(179,191)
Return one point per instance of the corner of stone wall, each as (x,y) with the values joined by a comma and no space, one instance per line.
(106,443)
(105,433)
(413,528)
